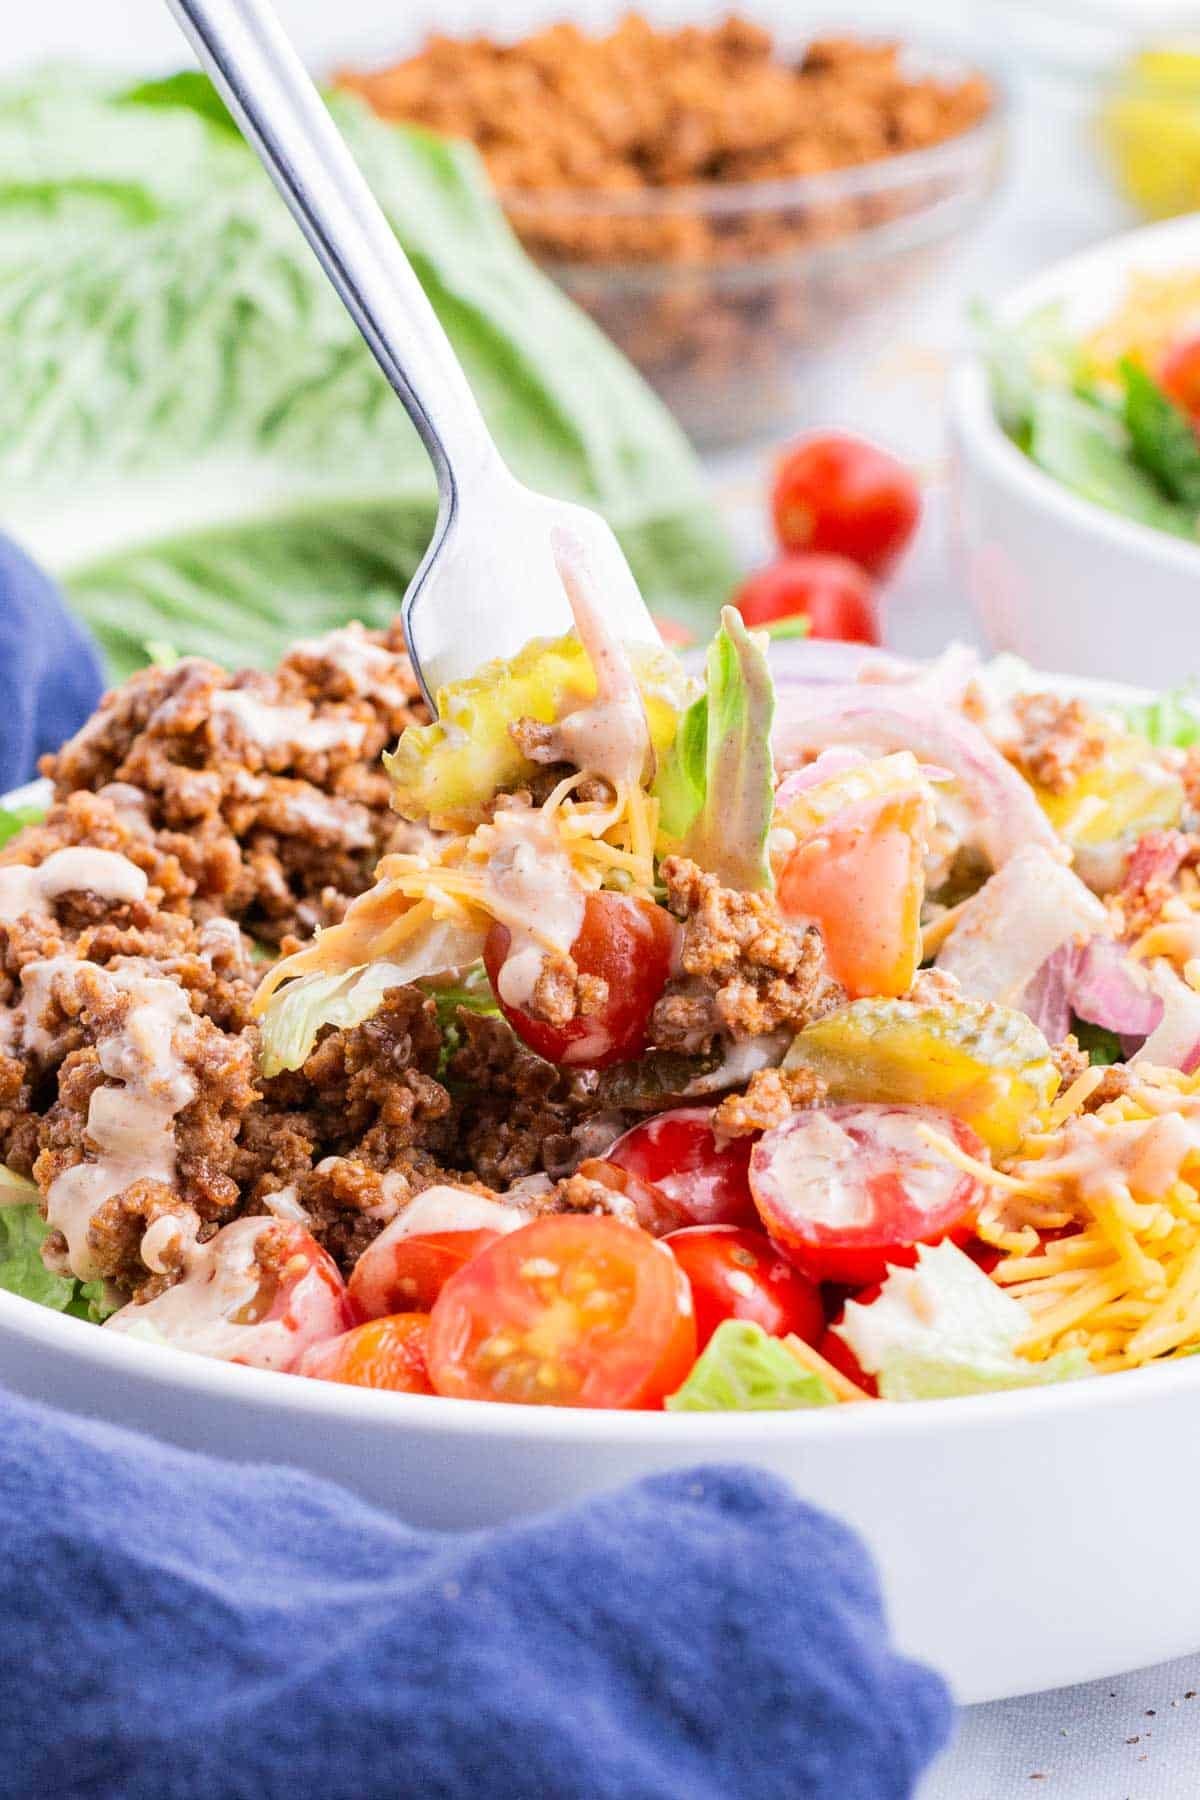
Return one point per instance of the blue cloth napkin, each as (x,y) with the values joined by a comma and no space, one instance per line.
(50,672)
(175,1626)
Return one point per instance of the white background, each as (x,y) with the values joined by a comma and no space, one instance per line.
(1138,1737)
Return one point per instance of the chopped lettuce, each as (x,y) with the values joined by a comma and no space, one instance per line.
(944,1329)
(1101,1046)
(1089,451)
(1161,436)
(1170,722)
(22,1271)
(299,1011)
(16,818)
(741,1369)
(716,786)
(1034,353)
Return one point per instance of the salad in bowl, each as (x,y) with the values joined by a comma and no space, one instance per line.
(625,1037)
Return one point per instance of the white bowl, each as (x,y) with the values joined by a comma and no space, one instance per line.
(1055,578)
(1026,1540)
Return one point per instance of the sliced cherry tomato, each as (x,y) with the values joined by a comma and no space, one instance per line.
(408,1273)
(738,1274)
(707,1183)
(629,944)
(835,597)
(383,1353)
(302,1289)
(847,1191)
(572,1310)
(1180,376)
(839,494)
(837,1351)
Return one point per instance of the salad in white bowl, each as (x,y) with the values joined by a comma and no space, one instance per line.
(632,1041)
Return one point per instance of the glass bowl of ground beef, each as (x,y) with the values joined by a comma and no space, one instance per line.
(724,208)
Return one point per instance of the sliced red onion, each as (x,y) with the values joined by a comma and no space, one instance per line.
(1096,981)
(900,717)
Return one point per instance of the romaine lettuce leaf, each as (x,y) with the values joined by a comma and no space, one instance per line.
(192,434)
(22,1271)
(716,787)
(741,1369)
(1090,452)
(16,818)
(944,1329)
(298,1011)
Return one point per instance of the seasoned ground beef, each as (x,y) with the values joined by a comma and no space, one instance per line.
(743,969)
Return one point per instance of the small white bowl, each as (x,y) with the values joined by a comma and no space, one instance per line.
(1055,578)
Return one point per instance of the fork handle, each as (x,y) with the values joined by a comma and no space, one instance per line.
(266,87)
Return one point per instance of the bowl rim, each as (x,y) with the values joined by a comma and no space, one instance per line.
(167,1368)
(979,437)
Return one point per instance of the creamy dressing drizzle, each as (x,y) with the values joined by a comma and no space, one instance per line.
(368,667)
(445,1208)
(275,726)
(76,869)
(607,736)
(314,811)
(222,1279)
(533,888)
(130,1125)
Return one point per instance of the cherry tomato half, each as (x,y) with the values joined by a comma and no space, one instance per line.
(300,1287)
(1180,376)
(848,497)
(407,1274)
(629,944)
(837,1351)
(571,1310)
(676,1152)
(738,1274)
(847,1191)
(383,1353)
(835,597)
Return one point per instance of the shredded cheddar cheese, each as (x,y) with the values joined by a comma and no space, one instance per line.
(1123,1284)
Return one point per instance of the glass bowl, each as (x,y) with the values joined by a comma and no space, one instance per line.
(721,294)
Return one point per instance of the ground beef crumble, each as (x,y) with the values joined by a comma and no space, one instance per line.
(770,1099)
(744,971)
(1058,740)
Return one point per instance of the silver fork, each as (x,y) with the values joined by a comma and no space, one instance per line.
(489,580)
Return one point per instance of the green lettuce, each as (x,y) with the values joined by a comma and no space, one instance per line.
(298,1012)
(194,438)
(1101,1046)
(944,1329)
(16,818)
(716,786)
(1161,436)
(1170,722)
(741,1369)
(22,1271)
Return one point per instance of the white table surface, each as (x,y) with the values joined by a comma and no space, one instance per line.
(1136,1737)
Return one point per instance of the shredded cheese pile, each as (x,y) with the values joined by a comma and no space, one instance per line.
(1175,933)
(606,844)
(1123,1185)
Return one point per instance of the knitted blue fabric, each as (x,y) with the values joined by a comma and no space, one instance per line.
(50,674)
(174,1626)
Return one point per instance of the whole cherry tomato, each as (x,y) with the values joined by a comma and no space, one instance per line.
(629,944)
(1180,376)
(571,1310)
(738,1274)
(708,1183)
(838,493)
(835,597)
(848,1191)
(383,1353)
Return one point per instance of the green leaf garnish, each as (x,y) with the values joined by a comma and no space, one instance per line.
(1172,722)
(741,1369)
(716,784)
(1162,437)
(16,818)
